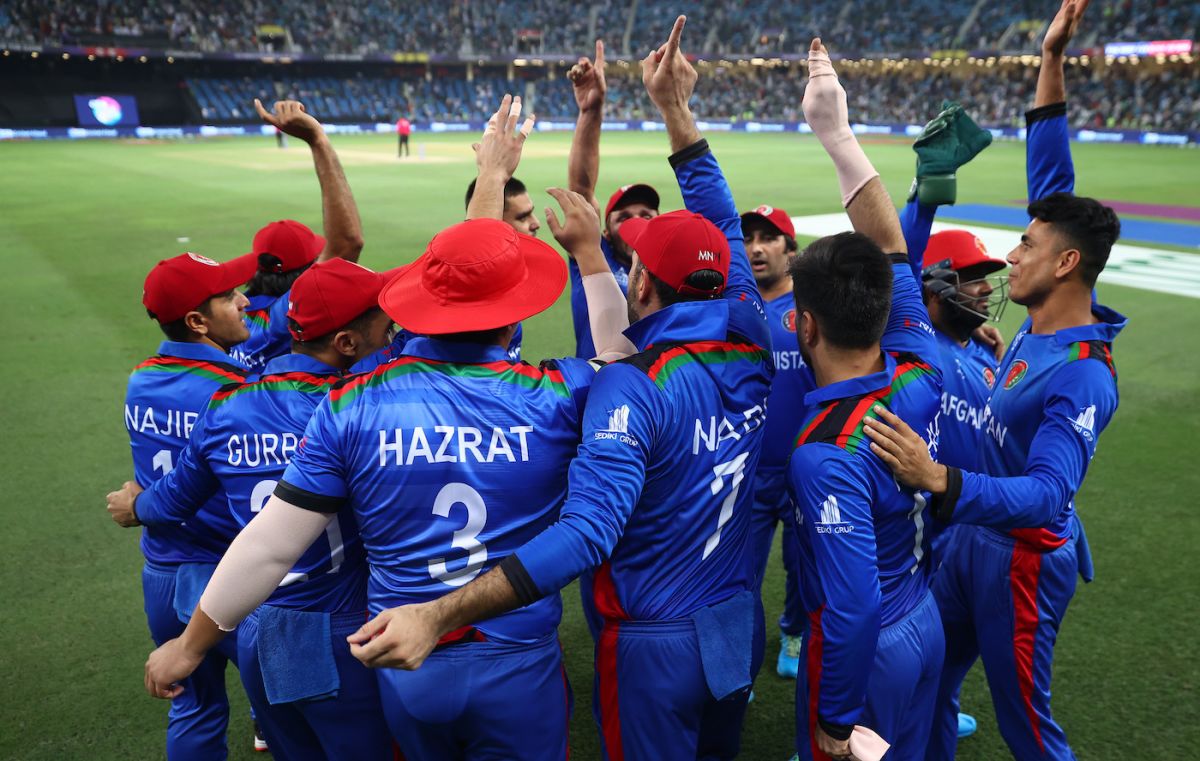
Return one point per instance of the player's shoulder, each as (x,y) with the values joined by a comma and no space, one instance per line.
(214,371)
(662,361)
(1086,372)
(1094,350)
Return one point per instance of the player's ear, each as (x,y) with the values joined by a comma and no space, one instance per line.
(346,342)
(807,329)
(1068,262)
(196,322)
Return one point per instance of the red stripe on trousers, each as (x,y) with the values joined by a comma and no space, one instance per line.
(1023,577)
(816,646)
(562,667)
(606,672)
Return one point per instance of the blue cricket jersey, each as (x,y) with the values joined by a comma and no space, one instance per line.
(968,373)
(659,497)
(451,457)
(1054,394)
(785,404)
(164,400)
(240,448)
(863,539)
(266,319)
(585,348)
(396,349)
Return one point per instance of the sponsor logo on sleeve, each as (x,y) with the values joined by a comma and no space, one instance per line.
(618,427)
(831,518)
(1085,422)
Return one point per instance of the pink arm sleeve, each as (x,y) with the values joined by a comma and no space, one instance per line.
(259,558)
(609,316)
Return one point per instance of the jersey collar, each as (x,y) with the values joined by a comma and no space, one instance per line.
(686,321)
(199,351)
(1111,323)
(299,363)
(449,351)
(863,384)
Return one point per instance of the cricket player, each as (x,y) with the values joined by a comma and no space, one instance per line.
(660,492)
(403,131)
(634,201)
(449,457)
(194,300)
(1005,587)
(311,698)
(771,244)
(873,647)
(284,249)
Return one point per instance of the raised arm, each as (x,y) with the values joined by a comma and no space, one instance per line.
(590,88)
(669,81)
(342,227)
(1048,164)
(497,155)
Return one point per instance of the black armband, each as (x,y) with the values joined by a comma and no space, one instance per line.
(519,578)
(690,153)
(898,258)
(306,500)
(943,504)
(1045,112)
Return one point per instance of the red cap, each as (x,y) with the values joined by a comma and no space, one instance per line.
(292,242)
(777,218)
(676,244)
(330,294)
(477,275)
(628,194)
(962,249)
(182,283)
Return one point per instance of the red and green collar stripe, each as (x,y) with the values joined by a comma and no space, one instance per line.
(705,352)
(305,383)
(259,317)
(217,372)
(518,374)
(1092,350)
(841,423)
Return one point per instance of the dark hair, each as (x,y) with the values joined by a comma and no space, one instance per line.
(178,329)
(709,281)
(268,282)
(758,223)
(321,343)
(513,187)
(1086,224)
(845,280)
(485,337)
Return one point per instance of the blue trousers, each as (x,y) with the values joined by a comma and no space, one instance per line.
(772,504)
(651,700)
(198,718)
(1003,601)
(482,701)
(348,726)
(901,690)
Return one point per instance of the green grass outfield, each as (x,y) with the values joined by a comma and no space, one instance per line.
(81,224)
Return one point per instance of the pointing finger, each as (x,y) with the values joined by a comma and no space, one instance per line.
(599,54)
(676,33)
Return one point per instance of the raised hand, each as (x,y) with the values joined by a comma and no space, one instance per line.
(667,75)
(824,104)
(579,232)
(1063,27)
(291,118)
(587,81)
(499,150)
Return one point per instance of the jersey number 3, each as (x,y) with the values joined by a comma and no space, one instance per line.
(465,538)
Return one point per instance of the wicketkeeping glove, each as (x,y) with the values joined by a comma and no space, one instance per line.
(950,140)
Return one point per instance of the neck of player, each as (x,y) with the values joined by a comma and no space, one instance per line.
(1068,306)
(832,364)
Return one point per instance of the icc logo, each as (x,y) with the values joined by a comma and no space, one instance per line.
(789,320)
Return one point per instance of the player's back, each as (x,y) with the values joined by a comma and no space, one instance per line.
(456,456)
(163,401)
(833,439)
(249,435)
(684,545)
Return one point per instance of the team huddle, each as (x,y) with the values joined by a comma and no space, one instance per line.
(374,523)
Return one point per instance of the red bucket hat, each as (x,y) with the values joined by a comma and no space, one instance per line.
(330,294)
(477,275)
(182,283)
(674,245)
(292,242)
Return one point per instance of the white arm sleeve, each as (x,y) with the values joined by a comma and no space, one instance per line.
(609,316)
(259,558)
